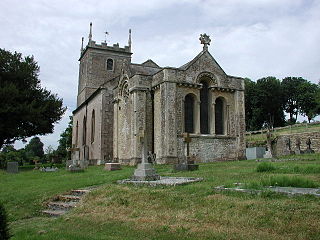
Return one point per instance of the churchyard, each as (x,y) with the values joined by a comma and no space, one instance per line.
(193,211)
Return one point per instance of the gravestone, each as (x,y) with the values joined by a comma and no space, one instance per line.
(309,149)
(12,167)
(74,165)
(188,163)
(112,166)
(298,146)
(145,170)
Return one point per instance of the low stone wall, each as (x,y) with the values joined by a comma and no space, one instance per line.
(287,144)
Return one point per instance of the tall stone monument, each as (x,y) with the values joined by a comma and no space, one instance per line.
(145,170)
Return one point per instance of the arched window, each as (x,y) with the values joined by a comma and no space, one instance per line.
(219,119)
(93,126)
(77,134)
(204,108)
(189,114)
(110,64)
(84,133)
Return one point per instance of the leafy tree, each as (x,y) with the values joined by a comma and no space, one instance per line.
(292,89)
(26,109)
(254,117)
(4,228)
(34,148)
(309,100)
(269,104)
(65,141)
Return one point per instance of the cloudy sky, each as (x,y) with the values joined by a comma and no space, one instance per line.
(249,38)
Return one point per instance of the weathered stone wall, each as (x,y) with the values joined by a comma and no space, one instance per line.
(94,147)
(281,148)
(93,72)
(209,148)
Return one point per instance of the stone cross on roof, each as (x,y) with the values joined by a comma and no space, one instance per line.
(205,40)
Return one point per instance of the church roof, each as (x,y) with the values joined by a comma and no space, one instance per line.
(188,64)
(148,68)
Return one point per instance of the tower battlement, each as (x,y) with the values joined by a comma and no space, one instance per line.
(104,46)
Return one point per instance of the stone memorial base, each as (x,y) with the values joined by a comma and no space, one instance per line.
(75,168)
(189,166)
(308,150)
(12,167)
(185,167)
(167,181)
(145,172)
(112,166)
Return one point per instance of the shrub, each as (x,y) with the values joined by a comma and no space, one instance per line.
(4,229)
(265,167)
(285,181)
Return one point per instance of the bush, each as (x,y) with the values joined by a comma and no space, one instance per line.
(4,229)
(265,167)
(285,181)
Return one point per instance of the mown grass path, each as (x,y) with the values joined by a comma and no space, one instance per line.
(192,211)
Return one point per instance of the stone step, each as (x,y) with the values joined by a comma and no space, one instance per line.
(79,192)
(54,213)
(69,198)
(59,205)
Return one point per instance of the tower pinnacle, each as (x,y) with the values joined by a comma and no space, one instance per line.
(90,33)
(81,50)
(129,41)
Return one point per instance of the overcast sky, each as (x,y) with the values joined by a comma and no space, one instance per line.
(251,39)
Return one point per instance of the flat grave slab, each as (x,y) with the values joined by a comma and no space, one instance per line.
(168,181)
(290,191)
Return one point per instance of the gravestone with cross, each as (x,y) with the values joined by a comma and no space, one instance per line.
(188,163)
(145,170)
(74,165)
(309,149)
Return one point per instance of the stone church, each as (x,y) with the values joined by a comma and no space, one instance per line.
(120,102)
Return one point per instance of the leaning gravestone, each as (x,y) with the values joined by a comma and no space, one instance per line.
(12,167)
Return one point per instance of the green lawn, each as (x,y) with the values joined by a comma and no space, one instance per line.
(191,211)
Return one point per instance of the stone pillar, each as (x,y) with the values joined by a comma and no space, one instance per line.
(228,119)
(213,119)
(115,129)
(240,125)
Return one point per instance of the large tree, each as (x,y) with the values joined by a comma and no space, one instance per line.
(26,108)
(292,90)
(34,148)
(270,100)
(309,100)
(65,141)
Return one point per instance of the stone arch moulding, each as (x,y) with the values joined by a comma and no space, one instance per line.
(123,87)
(209,77)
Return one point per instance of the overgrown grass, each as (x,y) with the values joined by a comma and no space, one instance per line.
(265,167)
(191,211)
(289,181)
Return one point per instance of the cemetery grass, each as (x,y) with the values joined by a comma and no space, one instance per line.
(193,211)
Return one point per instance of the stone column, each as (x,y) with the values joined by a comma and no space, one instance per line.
(213,119)
(228,119)
(115,129)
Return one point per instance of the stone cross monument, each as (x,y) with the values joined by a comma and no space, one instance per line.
(145,170)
